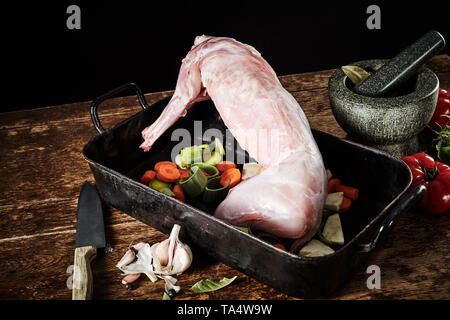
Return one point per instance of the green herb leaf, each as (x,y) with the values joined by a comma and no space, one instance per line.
(441,143)
(356,74)
(208,285)
(166,296)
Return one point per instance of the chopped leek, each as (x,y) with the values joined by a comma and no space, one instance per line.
(192,155)
(214,159)
(196,183)
(218,147)
(167,191)
(214,191)
(211,170)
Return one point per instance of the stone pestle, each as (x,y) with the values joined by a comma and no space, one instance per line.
(402,67)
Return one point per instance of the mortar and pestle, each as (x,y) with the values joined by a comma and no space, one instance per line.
(389,109)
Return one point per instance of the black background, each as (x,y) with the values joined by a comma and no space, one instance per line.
(44,63)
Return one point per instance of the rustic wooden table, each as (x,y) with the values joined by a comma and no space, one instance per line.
(42,171)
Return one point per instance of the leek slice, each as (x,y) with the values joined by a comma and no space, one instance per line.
(192,155)
(215,158)
(214,191)
(196,183)
(211,170)
(167,191)
(218,147)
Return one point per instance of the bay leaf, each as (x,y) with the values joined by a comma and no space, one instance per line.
(355,73)
(208,285)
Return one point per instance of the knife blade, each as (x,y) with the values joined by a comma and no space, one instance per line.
(90,235)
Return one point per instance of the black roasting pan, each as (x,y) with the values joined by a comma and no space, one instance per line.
(117,163)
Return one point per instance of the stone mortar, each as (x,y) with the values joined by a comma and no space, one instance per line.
(391,124)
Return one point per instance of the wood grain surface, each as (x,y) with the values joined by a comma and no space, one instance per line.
(42,171)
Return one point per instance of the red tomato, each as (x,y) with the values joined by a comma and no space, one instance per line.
(435,176)
(442,108)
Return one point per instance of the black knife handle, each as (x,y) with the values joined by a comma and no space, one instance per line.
(402,67)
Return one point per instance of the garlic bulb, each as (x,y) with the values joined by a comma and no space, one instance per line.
(161,260)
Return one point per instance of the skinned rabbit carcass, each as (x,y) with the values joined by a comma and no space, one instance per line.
(287,198)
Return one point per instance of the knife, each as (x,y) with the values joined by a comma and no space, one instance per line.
(90,236)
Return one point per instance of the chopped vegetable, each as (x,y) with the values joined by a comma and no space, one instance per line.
(333,184)
(168,173)
(315,248)
(184,173)
(244,229)
(193,154)
(214,191)
(178,191)
(250,170)
(334,201)
(233,175)
(166,296)
(332,231)
(178,162)
(280,246)
(225,165)
(349,192)
(196,183)
(160,163)
(214,159)
(148,176)
(167,191)
(346,204)
(218,147)
(158,185)
(210,170)
(208,285)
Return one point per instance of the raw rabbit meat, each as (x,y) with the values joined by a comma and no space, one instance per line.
(287,198)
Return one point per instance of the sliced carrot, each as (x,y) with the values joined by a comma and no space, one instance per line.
(168,173)
(160,163)
(349,192)
(178,191)
(261,170)
(184,173)
(280,246)
(346,204)
(225,165)
(148,176)
(333,184)
(232,174)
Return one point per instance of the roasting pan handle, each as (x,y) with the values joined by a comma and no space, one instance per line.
(404,204)
(110,94)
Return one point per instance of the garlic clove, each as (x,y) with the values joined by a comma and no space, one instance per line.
(162,252)
(182,259)
(128,258)
(129,278)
